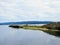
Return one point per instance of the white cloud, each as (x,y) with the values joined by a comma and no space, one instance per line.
(20,10)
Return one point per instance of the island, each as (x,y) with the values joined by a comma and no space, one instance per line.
(51,28)
(55,26)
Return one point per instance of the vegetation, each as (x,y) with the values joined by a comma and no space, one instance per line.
(55,25)
(53,28)
(14,26)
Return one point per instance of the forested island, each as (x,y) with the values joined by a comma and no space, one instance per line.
(51,28)
(55,26)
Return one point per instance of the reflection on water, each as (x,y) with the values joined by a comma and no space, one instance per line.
(54,33)
(11,36)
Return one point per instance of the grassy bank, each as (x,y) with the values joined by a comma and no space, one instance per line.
(54,32)
(49,31)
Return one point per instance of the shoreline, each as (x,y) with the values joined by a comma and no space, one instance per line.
(54,32)
(33,27)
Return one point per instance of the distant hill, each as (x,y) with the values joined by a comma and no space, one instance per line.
(26,22)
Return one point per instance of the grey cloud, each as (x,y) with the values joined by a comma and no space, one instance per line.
(17,10)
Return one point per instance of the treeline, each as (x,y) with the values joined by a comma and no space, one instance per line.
(55,25)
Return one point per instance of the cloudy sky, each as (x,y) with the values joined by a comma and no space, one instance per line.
(29,10)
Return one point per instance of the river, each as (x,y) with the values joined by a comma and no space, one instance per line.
(12,36)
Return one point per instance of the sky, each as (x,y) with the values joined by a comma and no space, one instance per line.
(29,10)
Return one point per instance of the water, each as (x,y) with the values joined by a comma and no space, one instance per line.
(11,36)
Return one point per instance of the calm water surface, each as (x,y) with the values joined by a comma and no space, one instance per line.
(11,36)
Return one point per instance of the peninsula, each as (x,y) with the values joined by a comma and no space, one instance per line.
(51,28)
